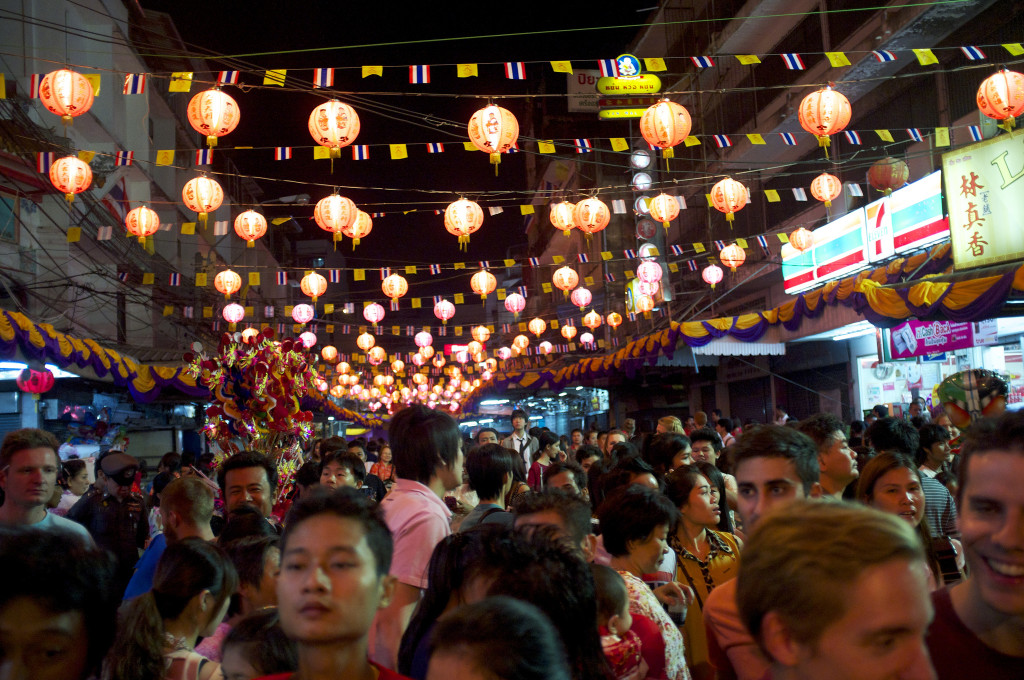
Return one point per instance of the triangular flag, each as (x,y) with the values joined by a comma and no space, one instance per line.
(410,269)
(459,299)
(884,135)
(748,59)
(509,263)
(655,64)
(94,80)
(772,195)
(837,59)
(180,82)
(417,303)
(561,66)
(783,237)
(545,287)
(925,56)
(278,221)
(605,255)
(207,312)
(545,146)
(3,87)
(557,259)
(466,70)
(711,204)
(275,77)
(755,138)
(398,151)
(165,157)
(742,243)
(168,310)
(673,267)
(459,265)
(942,136)
(373,71)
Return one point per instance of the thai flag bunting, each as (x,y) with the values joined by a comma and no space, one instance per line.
(522,291)
(204,156)
(506,328)
(44,159)
(973,53)
(134,83)
(583,145)
(435,147)
(484,264)
(583,257)
(394,305)
(722,141)
(33,85)
(852,136)
(323,77)
(282,153)
(360,152)
(419,75)
(630,253)
(763,242)
(334,276)
(442,331)
(350,307)
(435,269)
(495,210)
(789,138)
(124,157)
(438,298)
(268,312)
(702,62)
(631,316)
(437,212)
(681,201)
(975,131)
(220,228)
(619,206)
(800,194)
(534,261)
(515,70)
(793,61)
(188,312)
(720,244)
(282,278)
(884,55)
(609,69)
(514,148)
(692,264)
(174,279)
(227,78)
(410,331)
(385,272)
(652,147)
(854,189)
(122,276)
(280,329)
(104,233)
(376,215)
(915,134)
(676,250)
(615,341)
(346,328)
(609,277)
(165,226)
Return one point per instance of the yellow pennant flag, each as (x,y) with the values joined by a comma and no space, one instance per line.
(207,312)
(699,248)
(459,299)
(668,152)
(1015,49)
(655,64)
(673,267)
(606,255)
(653,252)
(458,330)
(554,324)
(200,279)
(180,82)
(250,311)
(3,87)
(328,309)
(884,135)
(629,274)
(925,57)
(545,146)
(330,328)
(188,228)
(742,243)
(395,330)
(417,303)
(279,220)
(783,237)
(526,210)
(619,144)
(74,234)
(837,59)
(522,324)
(148,278)
(500,293)
(545,287)
(711,203)
(288,310)
(509,263)
(557,259)
(410,269)
(755,138)
(398,152)
(94,80)
(373,71)
(320,152)
(254,278)
(561,66)
(772,195)
(691,140)
(589,280)
(466,70)
(168,310)
(275,77)
(359,274)
(150,246)
(86,156)
(748,59)
(459,265)
(942,136)
(165,157)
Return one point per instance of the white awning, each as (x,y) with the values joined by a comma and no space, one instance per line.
(729,347)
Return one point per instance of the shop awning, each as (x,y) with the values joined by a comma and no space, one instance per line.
(728,347)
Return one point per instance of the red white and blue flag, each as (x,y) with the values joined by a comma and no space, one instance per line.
(722,141)
(973,53)
(763,242)
(975,131)
(583,257)
(435,147)
(376,215)
(334,276)
(583,145)
(33,84)
(394,305)
(915,134)
(44,159)
(852,136)
(854,189)
(435,269)
(282,278)
(789,138)
(793,61)
(323,77)
(484,264)
(884,55)
(122,276)
(629,253)
(227,78)
(204,156)
(174,279)
(282,153)
(676,249)
(188,312)
(609,277)
(609,68)
(702,62)
(419,74)
(134,83)
(522,291)
(515,70)
(514,148)
(104,233)
(534,261)
(385,272)
(268,312)
(360,152)
(720,244)
(692,264)
(124,158)
(799,194)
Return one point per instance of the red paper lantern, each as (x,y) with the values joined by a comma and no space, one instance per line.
(365,341)
(888,174)
(493,130)
(462,218)
(444,310)
(376,355)
(587,338)
(515,303)
(643,303)
(614,319)
(481,334)
(1001,96)
(537,326)
(482,283)
(313,285)
(665,124)
(202,195)
(374,313)
(591,319)
(426,352)
(70,175)
(545,348)
(649,272)
(732,256)
(565,279)
(394,286)
(303,313)
(423,339)
(824,113)
(801,239)
(214,114)
(233,313)
(581,297)
(35,382)
(712,274)
(335,125)
(568,332)
(826,188)
(359,229)
(334,214)
(307,338)
(250,226)
(664,208)
(563,216)
(591,215)
(329,353)
(728,196)
(142,222)
(227,282)
(521,342)
(66,94)
(397,365)
(504,353)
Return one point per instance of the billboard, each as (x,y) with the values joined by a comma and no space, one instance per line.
(837,250)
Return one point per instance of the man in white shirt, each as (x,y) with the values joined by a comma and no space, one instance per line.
(520,440)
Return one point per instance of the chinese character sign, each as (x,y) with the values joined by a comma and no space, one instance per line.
(985,197)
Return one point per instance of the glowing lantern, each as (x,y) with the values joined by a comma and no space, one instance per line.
(376,355)
(202,195)
(365,341)
(824,113)
(359,229)
(66,94)
(592,319)
(732,256)
(397,365)
(504,353)
(644,288)
(303,313)
(423,339)
(591,215)
(581,297)
(233,313)
(712,274)
(614,319)
(70,175)
(482,283)
(545,347)
(308,339)
(35,382)
(515,303)
(313,285)
(373,313)
(728,196)
(643,303)
(887,174)
(480,333)
(801,239)
(649,272)
(537,326)
(343,367)
(214,114)
(521,342)
(444,310)
(419,360)
(474,347)
(329,353)
(587,338)
(664,208)
(227,282)
(334,214)
(565,279)
(826,188)
(250,226)
(334,125)
(394,286)
(665,124)
(493,130)
(142,222)
(426,352)
(562,216)
(462,218)
(337,391)
(439,361)
(1001,96)
(568,332)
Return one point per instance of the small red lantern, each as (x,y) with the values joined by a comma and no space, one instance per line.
(35,382)
(365,341)
(303,313)
(493,130)
(545,348)
(568,332)
(335,125)
(643,303)
(394,286)
(664,208)
(521,342)
(462,218)
(824,113)
(334,214)
(665,124)
(591,215)
(649,272)
(423,339)
(313,285)
(359,229)
(214,114)
(480,334)
(515,303)
(250,226)
(376,355)
(614,319)
(1001,96)
(732,256)
(142,222)
(66,94)
(202,195)
(70,175)
(801,239)
(426,352)
(227,282)
(233,313)
(562,216)
(826,188)
(565,279)
(329,353)
(712,274)
(888,174)
(444,310)
(374,313)
(537,326)
(581,297)
(591,319)
(729,196)
(483,283)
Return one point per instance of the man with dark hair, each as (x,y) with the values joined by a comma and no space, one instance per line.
(880,411)
(706,445)
(934,453)
(566,476)
(723,426)
(490,471)
(487,435)
(248,478)
(427,451)
(523,443)
(575,440)
(837,460)
(569,514)
(774,465)
(590,438)
(587,455)
(614,437)
(978,630)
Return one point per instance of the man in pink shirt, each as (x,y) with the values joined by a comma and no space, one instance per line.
(427,453)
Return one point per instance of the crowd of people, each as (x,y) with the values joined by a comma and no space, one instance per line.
(886,548)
